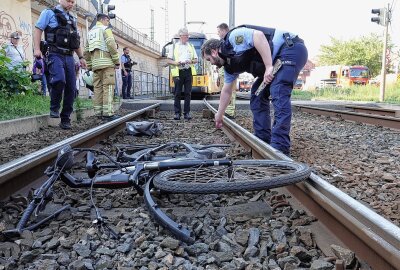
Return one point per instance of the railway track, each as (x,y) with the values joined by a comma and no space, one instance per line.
(17,174)
(372,116)
(374,239)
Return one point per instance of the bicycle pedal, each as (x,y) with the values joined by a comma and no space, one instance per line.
(155,192)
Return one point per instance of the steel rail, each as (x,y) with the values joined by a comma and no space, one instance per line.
(18,173)
(243,95)
(374,110)
(372,237)
(377,120)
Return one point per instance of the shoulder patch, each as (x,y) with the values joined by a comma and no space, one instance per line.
(239,40)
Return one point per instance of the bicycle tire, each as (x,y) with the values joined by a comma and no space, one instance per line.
(249,175)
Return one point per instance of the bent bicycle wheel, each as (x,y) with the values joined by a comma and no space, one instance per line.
(242,175)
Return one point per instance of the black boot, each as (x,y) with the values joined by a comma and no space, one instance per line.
(177,116)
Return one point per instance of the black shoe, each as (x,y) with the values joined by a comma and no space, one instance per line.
(187,116)
(65,125)
(54,114)
(177,116)
(111,117)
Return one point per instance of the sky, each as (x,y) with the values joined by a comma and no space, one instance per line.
(315,21)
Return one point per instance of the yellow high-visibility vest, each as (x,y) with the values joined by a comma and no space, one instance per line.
(175,69)
(96,38)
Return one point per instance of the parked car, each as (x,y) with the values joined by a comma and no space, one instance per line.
(299,84)
(390,79)
(375,81)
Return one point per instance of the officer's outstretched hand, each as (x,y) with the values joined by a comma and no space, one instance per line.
(218,119)
(268,76)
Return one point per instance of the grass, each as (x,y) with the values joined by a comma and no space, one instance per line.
(367,93)
(18,106)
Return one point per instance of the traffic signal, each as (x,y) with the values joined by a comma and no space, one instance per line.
(382,16)
(106,8)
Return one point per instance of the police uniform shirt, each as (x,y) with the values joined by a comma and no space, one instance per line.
(124,59)
(15,53)
(241,40)
(48,18)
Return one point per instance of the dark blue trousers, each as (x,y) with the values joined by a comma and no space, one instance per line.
(277,135)
(126,85)
(63,84)
(43,84)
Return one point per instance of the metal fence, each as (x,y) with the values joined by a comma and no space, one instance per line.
(121,27)
(146,85)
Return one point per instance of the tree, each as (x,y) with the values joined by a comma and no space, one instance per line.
(366,51)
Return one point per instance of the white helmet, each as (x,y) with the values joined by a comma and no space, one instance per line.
(88,77)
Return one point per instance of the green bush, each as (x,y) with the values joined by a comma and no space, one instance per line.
(15,80)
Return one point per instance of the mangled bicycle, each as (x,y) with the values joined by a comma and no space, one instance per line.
(170,168)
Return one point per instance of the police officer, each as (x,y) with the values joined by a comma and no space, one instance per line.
(222,30)
(102,57)
(126,72)
(182,70)
(61,35)
(255,49)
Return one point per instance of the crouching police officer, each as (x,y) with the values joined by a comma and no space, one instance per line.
(61,35)
(255,49)
(102,57)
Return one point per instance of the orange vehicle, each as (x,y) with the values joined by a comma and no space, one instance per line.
(353,75)
(245,86)
(337,76)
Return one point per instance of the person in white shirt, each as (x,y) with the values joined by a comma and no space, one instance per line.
(182,71)
(15,52)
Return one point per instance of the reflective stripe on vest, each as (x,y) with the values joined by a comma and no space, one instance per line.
(96,38)
(175,69)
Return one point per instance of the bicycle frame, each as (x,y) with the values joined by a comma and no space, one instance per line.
(142,172)
(129,174)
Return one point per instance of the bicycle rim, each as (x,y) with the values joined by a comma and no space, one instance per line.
(243,175)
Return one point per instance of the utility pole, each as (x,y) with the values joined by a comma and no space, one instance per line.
(231,14)
(152,24)
(383,71)
(384,17)
(184,14)
(166,22)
